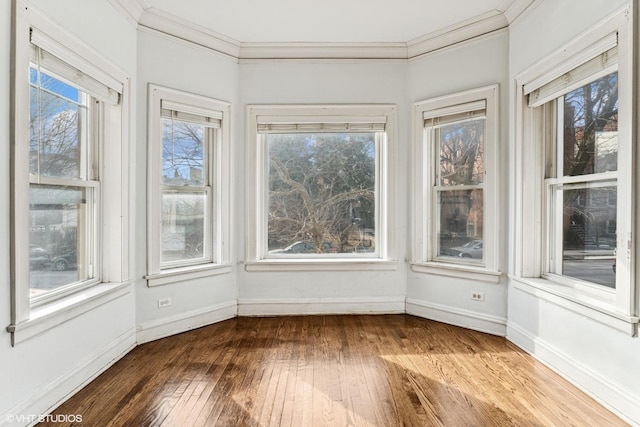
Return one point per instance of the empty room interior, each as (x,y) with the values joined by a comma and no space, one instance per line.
(410,212)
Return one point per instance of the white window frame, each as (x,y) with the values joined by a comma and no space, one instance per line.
(112,278)
(529,250)
(425,205)
(257,258)
(218,181)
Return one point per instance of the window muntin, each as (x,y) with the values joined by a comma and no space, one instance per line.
(582,188)
(322,197)
(63,202)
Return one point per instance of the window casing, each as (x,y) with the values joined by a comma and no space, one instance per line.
(456,198)
(575,160)
(188,186)
(319,180)
(69,152)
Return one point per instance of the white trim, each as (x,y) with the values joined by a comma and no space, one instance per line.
(424,191)
(130,9)
(619,400)
(176,275)
(161,23)
(48,397)
(518,9)
(594,308)
(182,322)
(530,251)
(579,50)
(313,306)
(113,132)
(460,271)
(312,50)
(469,319)
(256,233)
(62,310)
(169,24)
(353,264)
(216,186)
(456,33)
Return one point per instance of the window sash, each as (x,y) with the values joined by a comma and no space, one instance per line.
(208,254)
(91,253)
(433,121)
(88,145)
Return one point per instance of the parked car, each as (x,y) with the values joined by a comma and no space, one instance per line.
(304,247)
(65,261)
(471,249)
(38,257)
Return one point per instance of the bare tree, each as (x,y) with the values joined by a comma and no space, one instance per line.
(321,188)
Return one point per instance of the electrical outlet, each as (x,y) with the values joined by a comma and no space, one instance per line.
(477,296)
(164,302)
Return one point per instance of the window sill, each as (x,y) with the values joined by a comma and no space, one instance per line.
(458,271)
(175,275)
(589,306)
(48,316)
(359,264)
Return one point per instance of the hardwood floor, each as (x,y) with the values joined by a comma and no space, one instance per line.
(388,370)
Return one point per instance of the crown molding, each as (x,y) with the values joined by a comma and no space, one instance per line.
(131,10)
(169,24)
(323,51)
(160,22)
(514,9)
(460,32)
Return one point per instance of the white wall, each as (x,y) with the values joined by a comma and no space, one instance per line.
(328,83)
(40,372)
(186,67)
(600,360)
(467,66)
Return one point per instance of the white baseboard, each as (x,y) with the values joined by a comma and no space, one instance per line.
(617,399)
(312,306)
(46,399)
(455,316)
(183,322)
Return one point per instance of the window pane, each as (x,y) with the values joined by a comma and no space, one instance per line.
(321,193)
(59,224)
(183,226)
(589,234)
(57,129)
(461,150)
(591,128)
(182,153)
(461,224)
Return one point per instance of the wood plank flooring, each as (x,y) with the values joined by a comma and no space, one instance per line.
(387,370)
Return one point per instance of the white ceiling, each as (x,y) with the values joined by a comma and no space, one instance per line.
(328,21)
